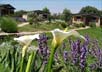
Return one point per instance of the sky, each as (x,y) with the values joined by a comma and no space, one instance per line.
(55,6)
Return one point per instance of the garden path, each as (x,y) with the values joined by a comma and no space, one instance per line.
(23,24)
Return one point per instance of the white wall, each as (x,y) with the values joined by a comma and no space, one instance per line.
(98,23)
(77,22)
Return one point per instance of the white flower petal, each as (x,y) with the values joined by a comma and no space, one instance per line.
(27,38)
(59,35)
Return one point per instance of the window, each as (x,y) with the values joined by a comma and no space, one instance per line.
(78,17)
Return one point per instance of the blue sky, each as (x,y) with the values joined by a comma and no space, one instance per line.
(55,6)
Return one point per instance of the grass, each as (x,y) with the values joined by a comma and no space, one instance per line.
(40,27)
(93,33)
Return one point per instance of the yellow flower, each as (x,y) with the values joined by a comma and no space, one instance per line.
(59,35)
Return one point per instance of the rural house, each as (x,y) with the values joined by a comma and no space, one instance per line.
(87,19)
(6,9)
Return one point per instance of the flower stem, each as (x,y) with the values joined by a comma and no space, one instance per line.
(21,69)
(30,61)
(24,49)
(51,58)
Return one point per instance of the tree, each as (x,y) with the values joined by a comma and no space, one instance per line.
(46,10)
(56,16)
(66,15)
(89,10)
(20,13)
(100,12)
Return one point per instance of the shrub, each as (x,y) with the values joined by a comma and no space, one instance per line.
(79,25)
(30,21)
(61,23)
(8,25)
(82,25)
(76,25)
(92,24)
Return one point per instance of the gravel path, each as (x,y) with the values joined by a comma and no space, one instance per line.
(81,28)
(22,33)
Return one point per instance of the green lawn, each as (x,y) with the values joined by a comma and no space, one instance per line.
(93,33)
(39,27)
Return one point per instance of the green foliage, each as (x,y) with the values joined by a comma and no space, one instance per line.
(30,21)
(19,13)
(56,16)
(46,10)
(61,23)
(89,10)
(8,25)
(66,15)
(76,25)
(42,26)
(34,18)
(79,25)
(100,12)
(82,25)
(92,24)
(93,33)
(9,57)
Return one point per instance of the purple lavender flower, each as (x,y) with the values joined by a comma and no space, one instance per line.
(87,40)
(45,61)
(74,52)
(83,56)
(43,48)
(78,45)
(65,55)
(96,51)
(75,60)
(92,67)
(99,58)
